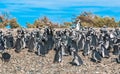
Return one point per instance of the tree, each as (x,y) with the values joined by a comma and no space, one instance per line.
(88,19)
(40,22)
(13,23)
(67,24)
(29,25)
(3,22)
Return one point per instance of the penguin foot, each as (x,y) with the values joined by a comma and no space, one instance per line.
(17,51)
(74,64)
(30,50)
(95,61)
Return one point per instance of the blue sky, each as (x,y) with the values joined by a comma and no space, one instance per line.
(58,10)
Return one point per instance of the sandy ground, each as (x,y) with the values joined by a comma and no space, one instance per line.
(29,63)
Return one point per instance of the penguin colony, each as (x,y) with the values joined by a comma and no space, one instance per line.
(67,42)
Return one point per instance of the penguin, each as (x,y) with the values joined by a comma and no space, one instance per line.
(77,61)
(94,40)
(58,51)
(6,57)
(64,50)
(9,41)
(18,45)
(31,43)
(116,49)
(96,56)
(81,42)
(50,41)
(58,56)
(27,38)
(40,48)
(107,42)
(45,40)
(23,42)
(86,50)
(118,59)
(2,48)
(104,52)
(78,25)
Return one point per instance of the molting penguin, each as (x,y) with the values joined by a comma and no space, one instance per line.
(76,58)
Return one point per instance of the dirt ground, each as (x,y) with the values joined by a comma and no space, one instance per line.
(29,63)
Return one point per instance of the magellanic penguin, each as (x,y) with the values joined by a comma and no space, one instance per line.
(77,61)
(116,49)
(2,48)
(103,51)
(31,43)
(64,50)
(86,49)
(118,59)
(96,56)
(58,53)
(18,44)
(9,41)
(81,41)
(41,48)
(6,57)
(58,56)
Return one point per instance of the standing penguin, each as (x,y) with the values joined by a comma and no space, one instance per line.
(76,58)
(64,50)
(58,53)
(31,43)
(9,41)
(81,41)
(18,44)
(86,49)
(118,59)
(41,48)
(1,45)
(1,48)
(104,52)
(96,56)
(116,49)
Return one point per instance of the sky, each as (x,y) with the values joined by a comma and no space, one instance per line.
(57,10)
